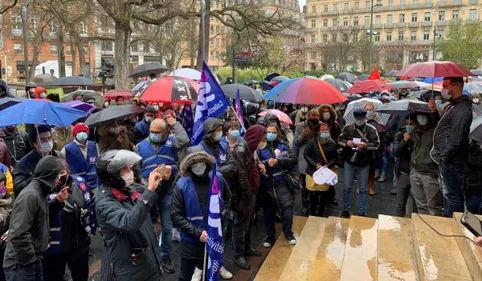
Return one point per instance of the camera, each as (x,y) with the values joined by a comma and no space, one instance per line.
(354,157)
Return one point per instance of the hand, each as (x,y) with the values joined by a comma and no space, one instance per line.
(272,162)
(318,166)
(63,194)
(154,179)
(350,143)
(120,138)
(262,168)
(204,236)
(478,241)
(432,105)
(5,236)
(307,132)
(361,145)
(406,136)
(170,120)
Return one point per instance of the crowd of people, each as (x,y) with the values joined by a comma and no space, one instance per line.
(60,186)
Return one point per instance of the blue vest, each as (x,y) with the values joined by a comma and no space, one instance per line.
(267,153)
(223,149)
(143,128)
(193,207)
(80,166)
(4,169)
(151,158)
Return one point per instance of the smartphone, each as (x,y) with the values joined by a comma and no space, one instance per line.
(162,170)
(472,223)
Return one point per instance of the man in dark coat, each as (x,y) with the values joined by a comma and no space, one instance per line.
(18,143)
(28,235)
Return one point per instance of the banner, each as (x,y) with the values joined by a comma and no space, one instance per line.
(238,109)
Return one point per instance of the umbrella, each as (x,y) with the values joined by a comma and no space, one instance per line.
(266,85)
(270,76)
(360,104)
(341,85)
(404,107)
(305,91)
(391,73)
(112,94)
(477,72)
(363,77)
(403,84)
(327,76)
(471,86)
(435,69)
(431,80)
(278,79)
(250,82)
(147,69)
(347,76)
(422,84)
(113,113)
(8,102)
(99,100)
(77,104)
(44,79)
(141,84)
(280,114)
(40,112)
(245,92)
(368,86)
(170,88)
(188,73)
(72,81)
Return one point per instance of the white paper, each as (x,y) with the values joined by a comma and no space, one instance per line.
(325,176)
(356,140)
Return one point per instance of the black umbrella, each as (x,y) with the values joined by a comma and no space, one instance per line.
(270,76)
(72,81)
(245,92)
(99,100)
(147,69)
(404,107)
(363,77)
(250,82)
(339,84)
(391,73)
(7,102)
(113,113)
(347,76)
(44,79)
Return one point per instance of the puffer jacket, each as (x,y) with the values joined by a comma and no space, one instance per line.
(451,136)
(313,154)
(402,150)
(473,170)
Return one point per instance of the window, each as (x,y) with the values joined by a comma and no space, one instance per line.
(355,21)
(402,3)
(377,36)
(16,22)
(415,3)
(427,17)
(313,9)
(83,27)
(345,21)
(441,34)
(428,2)
(414,17)
(400,36)
(426,35)
(135,47)
(17,47)
(402,18)
(325,38)
(313,39)
(34,22)
(335,8)
(53,49)
(455,14)
(357,6)
(367,5)
(333,37)
(367,20)
(313,23)
(106,46)
(345,8)
(390,19)
(146,47)
(389,36)
(325,22)
(355,37)
(413,36)
(441,15)
(345,37)
(378,19)
(325,8)
(335,22)
(379,2)
(472,14)
(390,3)
(68,49)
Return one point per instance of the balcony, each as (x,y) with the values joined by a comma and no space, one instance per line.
(310,15)
(474,2)
(345,28)
(389,25)
(401,25)
(414,24)
(427,23)
(441,23)
(313,29)
(377,26)
(450,3)
(324,29)
(472,21)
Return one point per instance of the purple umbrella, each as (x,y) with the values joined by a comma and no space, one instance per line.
(77,104)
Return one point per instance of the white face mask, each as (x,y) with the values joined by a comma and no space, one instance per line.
(360,122)
(326,116)
(475,100)
(422,120)
(128,178)
(114,130)
(199,168)
(46,147)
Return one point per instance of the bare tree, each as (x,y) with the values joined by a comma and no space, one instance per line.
(7,5)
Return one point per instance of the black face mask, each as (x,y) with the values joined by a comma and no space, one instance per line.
(313,121)
(61,182)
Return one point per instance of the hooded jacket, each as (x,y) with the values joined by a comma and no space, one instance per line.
(18,144)
(28,235)
(4,90)
(335,127)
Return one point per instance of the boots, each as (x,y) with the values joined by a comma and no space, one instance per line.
(382,178)
(371,190)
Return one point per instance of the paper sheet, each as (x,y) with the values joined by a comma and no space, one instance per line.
(325,176)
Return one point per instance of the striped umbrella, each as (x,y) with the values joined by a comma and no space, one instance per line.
(305,91)
(170,88)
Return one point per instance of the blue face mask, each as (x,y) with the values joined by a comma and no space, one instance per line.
(147,119)
(43,95)
(155,138)
(271,136)
(324,136)
(438,102)
(369,113)
(81,137)
(409,128)
(234,134)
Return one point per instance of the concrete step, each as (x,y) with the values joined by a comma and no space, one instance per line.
(303,256)
(360,262)
(275,263)
(396,256)
(438,258)
(469,250)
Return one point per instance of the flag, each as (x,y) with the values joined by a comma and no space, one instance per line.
(187,119)
(238,109)
(375,75)
(211,102)
(214,244)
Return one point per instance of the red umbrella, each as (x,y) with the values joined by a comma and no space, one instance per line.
(283,117)
(368,86)
(435,69)
(170,88)
(112,94)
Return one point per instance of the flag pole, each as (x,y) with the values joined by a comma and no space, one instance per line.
(205,277)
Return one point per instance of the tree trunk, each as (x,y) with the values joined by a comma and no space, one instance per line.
(74,57)
(192,42)
(207,25)
(61,52)
(80,47)
(36,52)
(122,54)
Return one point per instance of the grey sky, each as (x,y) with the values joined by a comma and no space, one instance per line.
(302,3)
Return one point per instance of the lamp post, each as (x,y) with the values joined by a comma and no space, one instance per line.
(371,35)
(25,39)
(434,38)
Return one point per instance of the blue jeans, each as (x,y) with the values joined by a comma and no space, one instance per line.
(473,202)
(269,221)
(362,173)
(165,241)
(382,160)
(451,184)
(31,272)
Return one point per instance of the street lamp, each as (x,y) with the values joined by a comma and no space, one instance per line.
(24,16)
(434,37)
(371,35)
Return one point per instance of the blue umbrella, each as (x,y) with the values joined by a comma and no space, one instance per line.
(472,86)
(40,112)
(140,85)
(432,80)
(7,102)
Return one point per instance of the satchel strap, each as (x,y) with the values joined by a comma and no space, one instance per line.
(322,152)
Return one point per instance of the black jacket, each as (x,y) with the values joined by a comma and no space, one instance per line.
(473,170)
(244,162)
(368,135)
(423,143)
(18,144)
(451,136)
(402,150)
(313,154)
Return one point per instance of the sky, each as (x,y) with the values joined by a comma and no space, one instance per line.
(302,3)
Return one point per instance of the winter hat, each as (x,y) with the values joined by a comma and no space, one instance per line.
(80,127)
(88,98)
(253,136)
(194,158)
(151,109)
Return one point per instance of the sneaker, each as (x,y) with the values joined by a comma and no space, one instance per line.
(269,242)
(242,263)
(345,215)
(225,274)
(198,274)
(377,174)
(393,191)
(291,239)
(250,252)
(167,266)
(333,201)
(383,177)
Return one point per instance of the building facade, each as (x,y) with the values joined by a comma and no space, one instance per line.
(404,31)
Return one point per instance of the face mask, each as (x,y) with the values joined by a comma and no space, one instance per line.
(313,121)
(324,136)
(43,95)
(156,107)
(199,168)
(106,104)
(438,102)
(446,94)
(409,128)
(128,178)
(360,122)
(262,145)
(3,190)
(147,119)
(342,106)
(114,130)
(82,136)
(304,109)
(369,113)
(476,100)
(422,120)
(155,138)
(234,134)
(326,116)
(271,136)
(61,182)
(217,136)
(46,147)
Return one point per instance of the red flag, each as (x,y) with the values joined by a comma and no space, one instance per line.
(375,75)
